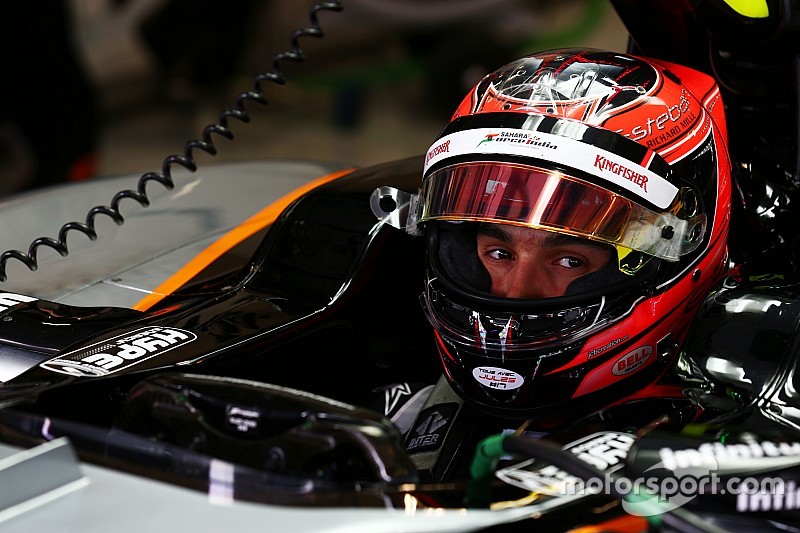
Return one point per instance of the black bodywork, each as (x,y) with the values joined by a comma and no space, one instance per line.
(311,308)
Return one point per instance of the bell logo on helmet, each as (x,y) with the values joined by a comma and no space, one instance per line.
(497,378)
(632,361)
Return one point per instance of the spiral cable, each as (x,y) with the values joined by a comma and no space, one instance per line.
(185,160)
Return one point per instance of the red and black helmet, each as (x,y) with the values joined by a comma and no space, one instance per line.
(621,150)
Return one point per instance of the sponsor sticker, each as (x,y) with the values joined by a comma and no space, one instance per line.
(632,361)
(120,352)
(597,351)
(430,428)
(242,419)
(613,168)
(497,378)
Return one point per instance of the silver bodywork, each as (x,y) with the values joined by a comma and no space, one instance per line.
(127,262)
(93,499)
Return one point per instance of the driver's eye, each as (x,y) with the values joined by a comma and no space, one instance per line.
(499,254)
(571,262)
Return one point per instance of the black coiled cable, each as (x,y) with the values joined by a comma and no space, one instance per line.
(186,160)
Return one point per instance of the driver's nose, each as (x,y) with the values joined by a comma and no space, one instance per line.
(528,279)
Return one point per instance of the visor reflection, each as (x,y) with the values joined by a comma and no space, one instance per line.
(541,198)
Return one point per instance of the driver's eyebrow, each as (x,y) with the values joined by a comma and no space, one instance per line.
(495,231)
(551,240)
(559,239)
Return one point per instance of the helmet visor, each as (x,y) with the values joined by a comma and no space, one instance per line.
(535,197)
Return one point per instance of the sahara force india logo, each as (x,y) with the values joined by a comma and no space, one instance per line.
(518,137)
(120,352)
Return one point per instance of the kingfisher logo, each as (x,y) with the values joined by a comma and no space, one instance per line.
(631,175)
(120,352)
(436,150)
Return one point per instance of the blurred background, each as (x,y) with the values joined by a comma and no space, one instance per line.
(109,87)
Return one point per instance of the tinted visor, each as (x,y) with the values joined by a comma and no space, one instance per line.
(540,198)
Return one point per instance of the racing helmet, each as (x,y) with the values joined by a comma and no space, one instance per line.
(624,152)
